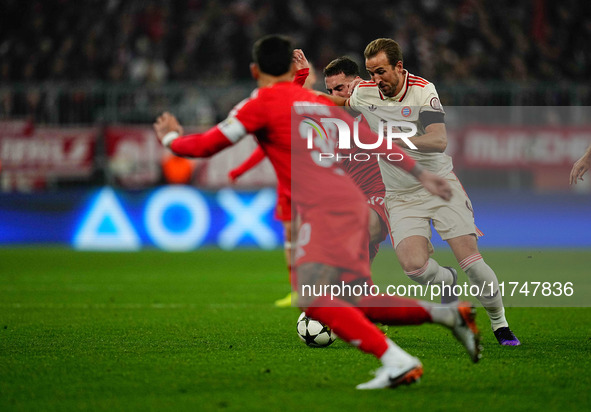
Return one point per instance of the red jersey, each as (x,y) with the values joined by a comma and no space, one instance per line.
(365,172)
(268,113)
(287,120)
(283,210)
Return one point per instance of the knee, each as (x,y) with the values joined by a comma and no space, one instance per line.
(412,262)
(413,253)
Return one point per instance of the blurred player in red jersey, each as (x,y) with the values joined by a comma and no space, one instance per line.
(339,75)
(332,239)
(283,211)
(366,174)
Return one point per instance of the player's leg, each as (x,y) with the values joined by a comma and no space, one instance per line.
(378,229)
(351,325)
(413,253)
(283,213)
(395,310)
(479,273)
(454,220)
(410,232)
(287,226)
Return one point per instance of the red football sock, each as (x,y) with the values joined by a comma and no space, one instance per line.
(394,310)
(349,323)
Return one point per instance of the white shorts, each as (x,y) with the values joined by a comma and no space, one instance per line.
(411,214)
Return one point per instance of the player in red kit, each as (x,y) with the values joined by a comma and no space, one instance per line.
(338,77)
(283,211)
(332,239)
(364,172)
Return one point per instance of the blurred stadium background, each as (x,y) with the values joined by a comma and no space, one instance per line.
(82,81)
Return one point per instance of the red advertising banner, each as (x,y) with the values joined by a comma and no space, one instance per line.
(520,147)
(32,157)
(58,152)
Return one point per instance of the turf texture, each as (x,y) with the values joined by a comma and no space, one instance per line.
(198,331)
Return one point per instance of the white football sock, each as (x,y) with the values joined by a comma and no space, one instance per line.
(479,273)
(396,356)
(440,314)
(431,273)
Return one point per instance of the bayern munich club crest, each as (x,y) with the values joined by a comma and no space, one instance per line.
(406,111)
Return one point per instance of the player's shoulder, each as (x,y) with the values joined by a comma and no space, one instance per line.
(367,83)
(272,96)
(240,105)
(324,100)
(282,90)
(417,80)
(303,95)
(419,83)
(366,89)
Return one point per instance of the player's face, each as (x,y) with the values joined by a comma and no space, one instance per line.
(389,79)
(338,85)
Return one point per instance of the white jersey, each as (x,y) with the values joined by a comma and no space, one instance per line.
(417,96)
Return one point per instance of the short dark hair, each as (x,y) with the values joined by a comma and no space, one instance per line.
(273,54)
(343,64)
(388,46)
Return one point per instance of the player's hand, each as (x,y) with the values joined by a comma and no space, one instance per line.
(300,60)
(354,84)
(166,123)
(435,184)
(579,169)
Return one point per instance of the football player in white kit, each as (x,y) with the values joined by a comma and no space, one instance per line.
(393,94)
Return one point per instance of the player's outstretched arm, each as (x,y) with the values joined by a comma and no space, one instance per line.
(169,132)
(337,100)
(580,167)
(430,181)
(433,141)
(354,83)
(166,124)
(302,67)
(299,60)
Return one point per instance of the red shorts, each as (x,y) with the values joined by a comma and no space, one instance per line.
(283,208)
(335,236)
(377,205)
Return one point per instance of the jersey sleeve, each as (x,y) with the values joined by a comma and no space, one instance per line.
(200,144)
(431,110)
(246,118)
(430,100)
(301,76)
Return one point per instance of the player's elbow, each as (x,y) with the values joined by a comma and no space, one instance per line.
(437,137)
(441,143)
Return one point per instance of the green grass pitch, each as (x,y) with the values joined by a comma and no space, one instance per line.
(198,332)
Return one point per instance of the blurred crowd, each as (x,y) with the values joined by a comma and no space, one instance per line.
(153,42)
(159,40)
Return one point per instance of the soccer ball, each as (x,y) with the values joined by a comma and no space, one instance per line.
(314,333)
